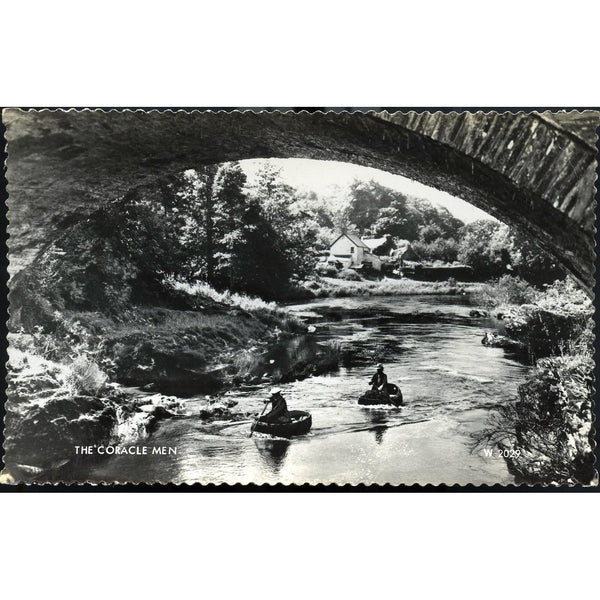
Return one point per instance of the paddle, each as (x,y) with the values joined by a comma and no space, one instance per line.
(259,416)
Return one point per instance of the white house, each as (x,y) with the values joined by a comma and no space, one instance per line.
(351,251)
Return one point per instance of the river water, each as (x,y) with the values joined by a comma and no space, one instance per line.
(431,348)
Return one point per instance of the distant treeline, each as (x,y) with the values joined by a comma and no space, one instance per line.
(489,247)
(214,226)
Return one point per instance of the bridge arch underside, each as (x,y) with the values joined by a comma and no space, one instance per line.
(524,169)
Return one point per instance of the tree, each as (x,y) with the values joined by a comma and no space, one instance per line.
(197,203)
(442,249)
(229,208)
(274,195)
(379,210)
(430,232)
(152,222)
(249,254)
(492,249)
(262,268)
(310,203)
(202,224)
(295,227)
(395,220)
(486,246)
(366,201)
(534,264)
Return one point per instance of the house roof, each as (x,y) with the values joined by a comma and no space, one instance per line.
(353,238)
(402,246)
(374,243)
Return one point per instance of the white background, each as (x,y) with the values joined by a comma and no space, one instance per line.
(306,54)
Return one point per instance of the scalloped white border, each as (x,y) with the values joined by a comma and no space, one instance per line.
(383,113)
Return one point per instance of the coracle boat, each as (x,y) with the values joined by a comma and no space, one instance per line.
(300,423)
(393,397)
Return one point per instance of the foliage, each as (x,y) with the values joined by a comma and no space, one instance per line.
(489,247)
(195,192)
(250,240)
(235,222)
(492,250)
(367,201)
(276,232)
(85,376)
(322,287)
(565,297)
(548,432)
(320,209)
(445,250)
(507,289)
(202,290)
(298,230)
(204,225)
(376,209)
(556,322)
(154,229)
(210,225)
(326,269)
(349,275)
(485,246)
(532,263)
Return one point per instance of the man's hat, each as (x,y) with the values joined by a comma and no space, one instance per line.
(380,366)
(275,391)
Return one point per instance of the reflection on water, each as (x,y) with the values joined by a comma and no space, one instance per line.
(379,430)
(272,452)
(378,420)
(431,348)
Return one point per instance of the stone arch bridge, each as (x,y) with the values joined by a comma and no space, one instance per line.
(534,171)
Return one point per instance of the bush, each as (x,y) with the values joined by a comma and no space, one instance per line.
(508,289)
(85,377)
(444,250)
(326,269)
(557,322)
(349,275)
(548,432)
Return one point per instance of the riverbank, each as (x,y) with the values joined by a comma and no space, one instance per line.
(330,287)
(546,435)
(58,405)
(67,384)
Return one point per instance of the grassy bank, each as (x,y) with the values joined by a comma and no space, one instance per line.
(547,433)
(63,379)
(552,321)
(195,349)
(73,399)
(325,287)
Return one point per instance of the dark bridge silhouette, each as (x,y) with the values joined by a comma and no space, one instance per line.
(533,171)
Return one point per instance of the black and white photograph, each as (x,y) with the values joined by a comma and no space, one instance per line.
(300,297)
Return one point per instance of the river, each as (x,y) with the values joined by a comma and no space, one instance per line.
(431,348)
